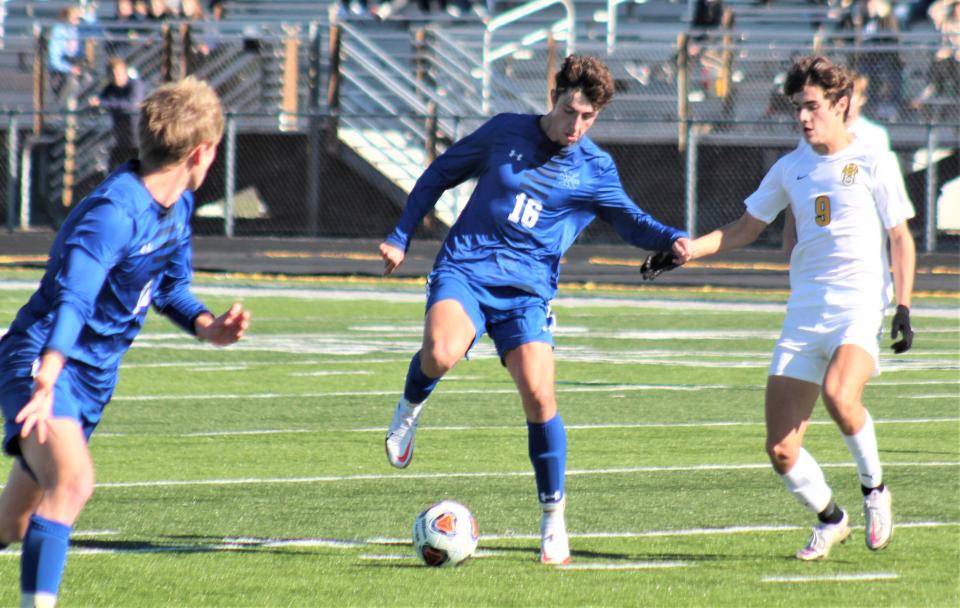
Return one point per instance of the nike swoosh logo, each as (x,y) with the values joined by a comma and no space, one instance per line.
(406,453)
(799,177)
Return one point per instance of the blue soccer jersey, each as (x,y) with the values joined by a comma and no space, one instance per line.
(117,252)
(533,198)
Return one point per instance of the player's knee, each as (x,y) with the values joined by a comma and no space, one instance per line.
(782,456)
(843,406)
(73,491)
(540,404)
(438,359)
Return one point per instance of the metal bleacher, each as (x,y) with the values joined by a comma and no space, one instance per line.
(397,73)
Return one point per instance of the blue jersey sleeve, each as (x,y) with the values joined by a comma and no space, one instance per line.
(173,298)
(461,161)
(97,243)
(634,225)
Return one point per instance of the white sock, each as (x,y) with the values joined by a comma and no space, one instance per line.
(38,600)
(553,516)
(863,447)
(806,482)
(413,409)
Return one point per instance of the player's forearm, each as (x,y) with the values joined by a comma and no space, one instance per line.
(736,234)
(903,260)
(789,233)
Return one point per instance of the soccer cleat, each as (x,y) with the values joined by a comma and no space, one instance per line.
(878,513)
(402,432)
(554,543)
(824,537)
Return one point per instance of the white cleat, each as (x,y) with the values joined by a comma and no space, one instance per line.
(402,432)
(878,513)
(554,542)
(824,537)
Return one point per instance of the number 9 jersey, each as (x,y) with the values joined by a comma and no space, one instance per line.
(843,203)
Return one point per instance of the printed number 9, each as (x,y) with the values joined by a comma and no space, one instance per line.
(822,208)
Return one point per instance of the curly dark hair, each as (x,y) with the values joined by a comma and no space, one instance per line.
(835,80)
(589,75)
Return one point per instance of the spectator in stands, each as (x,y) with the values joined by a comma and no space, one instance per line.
(65,59)
(878,27)
(121,98)
(454,8)
(157,11)
(217,9)
(940,99)
(200,35)
(124,28)
(354,7)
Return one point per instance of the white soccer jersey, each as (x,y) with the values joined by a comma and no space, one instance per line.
(870,133)
(843,204)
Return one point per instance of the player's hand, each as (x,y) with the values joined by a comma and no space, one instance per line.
(901,325)
(683,250)
(36,414)
(392,257)
(225,329)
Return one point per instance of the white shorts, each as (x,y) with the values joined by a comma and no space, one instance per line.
(811,335)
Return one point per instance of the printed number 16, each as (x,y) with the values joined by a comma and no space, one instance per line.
(526,211)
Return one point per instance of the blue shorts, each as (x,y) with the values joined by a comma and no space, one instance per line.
(510,316)
(80,394)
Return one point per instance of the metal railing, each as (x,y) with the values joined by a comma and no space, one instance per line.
(563,28)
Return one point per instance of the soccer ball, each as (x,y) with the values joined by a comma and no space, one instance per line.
(445,534)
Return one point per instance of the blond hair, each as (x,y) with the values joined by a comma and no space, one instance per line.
(176,118)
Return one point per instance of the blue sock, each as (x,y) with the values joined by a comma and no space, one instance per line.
(418,386)
(44,555)
(547,443)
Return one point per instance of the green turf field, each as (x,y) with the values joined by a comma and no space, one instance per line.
(255,475)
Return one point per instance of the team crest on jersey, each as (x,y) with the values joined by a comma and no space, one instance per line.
(569,180)
(849,174)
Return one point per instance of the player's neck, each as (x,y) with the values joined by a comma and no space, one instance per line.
(835,144)
(165,184)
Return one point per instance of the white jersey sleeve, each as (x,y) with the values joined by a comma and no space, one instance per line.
(890,193)
(770,197)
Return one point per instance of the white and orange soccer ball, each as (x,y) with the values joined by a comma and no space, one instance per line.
(445,534)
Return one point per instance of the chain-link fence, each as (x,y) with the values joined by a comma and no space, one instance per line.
(329,128)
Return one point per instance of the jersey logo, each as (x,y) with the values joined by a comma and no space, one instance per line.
(144,300)
(147,249)
(804,176)
(849,174)
(569,180)
(516,155)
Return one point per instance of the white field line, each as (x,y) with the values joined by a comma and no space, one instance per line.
(211,433)
(624,566)
(651,425)
(477,474)
(943,396)
(561,388)
(569,301)
(249,543)
(832,578)
(576,427)
(725,531)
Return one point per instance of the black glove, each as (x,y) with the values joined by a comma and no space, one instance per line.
(901,324)
(656,264)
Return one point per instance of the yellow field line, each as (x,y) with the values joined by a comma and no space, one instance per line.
(600,261)
(19,259)
(363,257)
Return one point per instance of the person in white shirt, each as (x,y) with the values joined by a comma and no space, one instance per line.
(848,199)
(864,129)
